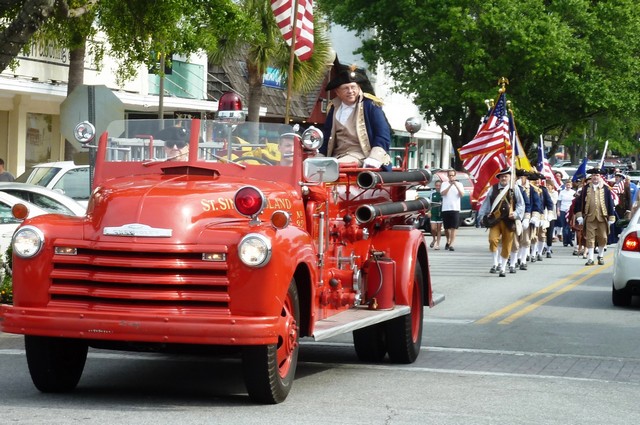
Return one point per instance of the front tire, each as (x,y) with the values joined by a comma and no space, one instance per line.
(370,343)
(404,334)
(55,364)
(269,370)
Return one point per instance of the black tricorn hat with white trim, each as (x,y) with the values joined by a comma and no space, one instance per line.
(596,170)
(504,171)
(350,74)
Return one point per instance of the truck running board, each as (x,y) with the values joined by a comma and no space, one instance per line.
(355,318)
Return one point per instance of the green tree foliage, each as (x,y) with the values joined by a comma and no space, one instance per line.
(567,61)
(19,21)
(139,30)
(136,30)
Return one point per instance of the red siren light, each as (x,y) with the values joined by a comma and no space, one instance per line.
(230,102)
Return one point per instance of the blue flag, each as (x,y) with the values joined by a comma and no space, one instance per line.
(581,172)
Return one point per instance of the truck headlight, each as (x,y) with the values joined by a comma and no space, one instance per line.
(27,241)
(254,250)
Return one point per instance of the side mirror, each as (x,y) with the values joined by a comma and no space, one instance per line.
(317,170)
(312,138)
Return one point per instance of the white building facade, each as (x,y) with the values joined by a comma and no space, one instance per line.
(32,92)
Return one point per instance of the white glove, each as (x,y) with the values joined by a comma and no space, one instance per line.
(371,163)
(535,222)
(612,220)
(525,223)
(579,220)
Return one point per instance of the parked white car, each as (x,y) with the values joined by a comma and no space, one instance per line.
(49,200)
(64,176)
(8,223)
(626,263)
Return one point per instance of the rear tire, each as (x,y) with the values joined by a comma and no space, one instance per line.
(370,343)
(620,298)
(269,370)
(404,334)
(55,364)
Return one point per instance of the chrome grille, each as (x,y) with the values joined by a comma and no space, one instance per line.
(108,279)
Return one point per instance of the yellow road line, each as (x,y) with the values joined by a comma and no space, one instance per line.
(498,313)
(551,296)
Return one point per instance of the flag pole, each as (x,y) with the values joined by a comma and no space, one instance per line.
(604,154)
(292,55)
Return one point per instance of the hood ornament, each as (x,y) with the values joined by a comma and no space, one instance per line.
(137,229)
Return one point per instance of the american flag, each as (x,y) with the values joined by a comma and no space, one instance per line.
(492,132)
(490,150)
(544,167)
(616,191)
(282,10)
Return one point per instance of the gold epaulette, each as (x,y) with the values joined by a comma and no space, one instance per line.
(375,99)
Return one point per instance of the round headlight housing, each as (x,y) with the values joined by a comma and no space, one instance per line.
(254,250)
(27,241)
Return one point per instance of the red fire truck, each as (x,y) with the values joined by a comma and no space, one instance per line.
(201,234)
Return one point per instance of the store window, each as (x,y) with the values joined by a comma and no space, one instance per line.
(39,138)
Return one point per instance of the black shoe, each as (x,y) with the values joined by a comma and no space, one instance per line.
(523,266)
(589,263)
(548,255)
(446,246)
(493,269)
(539,257)
(533,259)
(451,248)
(600,261)
(502,273)
(512,269)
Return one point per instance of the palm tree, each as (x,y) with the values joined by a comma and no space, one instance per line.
(266,47)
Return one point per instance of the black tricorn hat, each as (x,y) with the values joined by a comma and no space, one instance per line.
(350,74)
(533,175)
(173,134)
(520,172)
(504,171)
(596,171)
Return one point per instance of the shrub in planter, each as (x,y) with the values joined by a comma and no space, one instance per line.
(6,287)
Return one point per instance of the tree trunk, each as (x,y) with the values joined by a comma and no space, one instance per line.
(255,92)
(13,38)
(76,68)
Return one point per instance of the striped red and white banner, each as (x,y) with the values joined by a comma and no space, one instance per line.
(304,25)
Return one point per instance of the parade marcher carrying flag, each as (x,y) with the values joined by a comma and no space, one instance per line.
(490,150)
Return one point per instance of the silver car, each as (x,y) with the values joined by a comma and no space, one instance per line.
(626,263)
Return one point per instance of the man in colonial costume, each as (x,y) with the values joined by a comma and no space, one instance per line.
(356,129)
(595,209)
(500,209)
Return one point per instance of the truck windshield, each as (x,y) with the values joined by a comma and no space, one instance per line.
(169,140)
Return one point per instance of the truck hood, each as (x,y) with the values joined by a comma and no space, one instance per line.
(174,209)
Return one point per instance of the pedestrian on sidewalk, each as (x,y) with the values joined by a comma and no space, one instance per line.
(436,215)
(452,192)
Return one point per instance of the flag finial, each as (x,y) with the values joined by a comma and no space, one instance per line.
(503,82)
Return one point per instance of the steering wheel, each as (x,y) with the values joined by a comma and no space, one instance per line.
(253,158)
